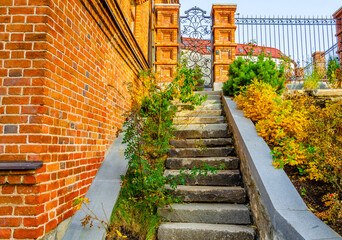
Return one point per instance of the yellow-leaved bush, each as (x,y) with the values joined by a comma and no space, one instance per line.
(257,100)
(300,133)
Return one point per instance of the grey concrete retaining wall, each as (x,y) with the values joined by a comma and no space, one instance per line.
(102,194)
(278,210)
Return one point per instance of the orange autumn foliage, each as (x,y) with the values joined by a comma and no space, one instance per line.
(299,132)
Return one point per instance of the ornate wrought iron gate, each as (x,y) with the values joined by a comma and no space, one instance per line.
(196,41)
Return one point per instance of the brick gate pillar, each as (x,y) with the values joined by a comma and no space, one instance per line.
(338,16)
(223,40)
(166,38)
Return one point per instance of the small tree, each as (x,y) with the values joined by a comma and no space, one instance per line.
(333,73)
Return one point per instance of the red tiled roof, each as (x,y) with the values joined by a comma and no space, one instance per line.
(204,47)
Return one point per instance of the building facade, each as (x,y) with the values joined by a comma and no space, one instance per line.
(65,66)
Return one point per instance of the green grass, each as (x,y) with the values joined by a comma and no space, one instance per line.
(135,223)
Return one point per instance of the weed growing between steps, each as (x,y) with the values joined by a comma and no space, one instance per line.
(306,139)
(148,131)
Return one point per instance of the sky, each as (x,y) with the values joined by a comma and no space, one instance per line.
(271,7)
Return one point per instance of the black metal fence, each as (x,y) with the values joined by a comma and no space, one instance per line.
(296,37)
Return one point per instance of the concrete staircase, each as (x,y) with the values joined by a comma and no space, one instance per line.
(214,205)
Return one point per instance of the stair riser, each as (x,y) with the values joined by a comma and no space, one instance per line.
(207,216)
(195,143)
(198,120)
(184,163)
(214,97)
(202,134)
(213,180)
(200,231)
(202,107)
(211,196)
(209,93)
(199,113)
(196,152)
(198,234)
(206,102)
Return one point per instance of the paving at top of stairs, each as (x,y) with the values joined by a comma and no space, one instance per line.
(212,202)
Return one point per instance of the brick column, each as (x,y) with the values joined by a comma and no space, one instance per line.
(166,39)
(318,59)
(338,16)
(141,27)
(223,30)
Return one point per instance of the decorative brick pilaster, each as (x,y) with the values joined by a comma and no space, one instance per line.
(318,59)
(166,39)
(338,16)
(223,30)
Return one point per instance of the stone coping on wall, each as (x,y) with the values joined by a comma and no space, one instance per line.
(287,211)
(102,194)
(319,92)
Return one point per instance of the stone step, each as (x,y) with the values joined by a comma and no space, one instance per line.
(206,102)
(195,143)
(199,113)
(230,163)
(198,120)
(216,213)
(201,152)
(211,101)
(214,194)
(219,130)
(217,93)
(181,107)
(221,178)
(204,231)
(214,97)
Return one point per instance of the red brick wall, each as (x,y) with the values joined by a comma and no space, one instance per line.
(166,40)
(63,92)
(142,22)
(223,18)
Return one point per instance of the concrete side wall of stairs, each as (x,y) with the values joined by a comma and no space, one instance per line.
(278,210)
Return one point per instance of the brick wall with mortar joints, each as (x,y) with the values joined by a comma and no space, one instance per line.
(63,94)
(224,51)
(126,8)
(166,40)
(141,30)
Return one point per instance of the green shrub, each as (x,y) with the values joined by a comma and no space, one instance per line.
(313,77)
(333,66)
(242,71)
